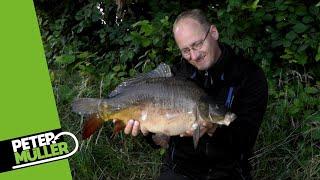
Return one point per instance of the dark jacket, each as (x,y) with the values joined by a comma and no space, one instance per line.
(241,86)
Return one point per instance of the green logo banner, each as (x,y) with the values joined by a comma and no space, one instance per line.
(27,103)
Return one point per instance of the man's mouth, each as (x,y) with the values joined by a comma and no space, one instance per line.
(201,59)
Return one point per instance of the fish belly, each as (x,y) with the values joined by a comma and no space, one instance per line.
(166,121)
(155,119)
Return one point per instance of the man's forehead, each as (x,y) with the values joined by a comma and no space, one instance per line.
(187,31)
(187,23)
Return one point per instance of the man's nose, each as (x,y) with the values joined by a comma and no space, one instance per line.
(194,55)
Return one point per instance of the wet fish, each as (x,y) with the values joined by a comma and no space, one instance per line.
(162,103)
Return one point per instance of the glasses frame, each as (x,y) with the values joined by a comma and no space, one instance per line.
(196,46)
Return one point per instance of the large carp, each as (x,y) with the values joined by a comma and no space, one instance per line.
(163,104)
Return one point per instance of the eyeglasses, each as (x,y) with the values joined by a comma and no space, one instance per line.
(196,46)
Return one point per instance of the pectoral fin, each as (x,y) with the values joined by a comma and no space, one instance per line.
(118,126)
(92,124)
(196,135)
(196,129)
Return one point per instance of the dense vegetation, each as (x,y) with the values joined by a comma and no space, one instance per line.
(89,51)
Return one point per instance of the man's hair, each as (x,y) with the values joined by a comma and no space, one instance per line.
(195,14)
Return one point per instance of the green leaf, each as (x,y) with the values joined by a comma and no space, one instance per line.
(307,19)
(267,17)
(286,56)
(83,55)
(147,29)
(301,10)
(311,90)
(146,42)
(162,151)
(120,74)
(301,58)
(303,47)
(282,7)
(140,23)
(276,44)
(254,4)
(286,43)
(318,54)
(65,59)
(291,35)
(234,3)
(65,93)
(132,72)
(300,28)
(116,68)
(280,17)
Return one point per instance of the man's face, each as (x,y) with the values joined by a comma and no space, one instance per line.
(198,46)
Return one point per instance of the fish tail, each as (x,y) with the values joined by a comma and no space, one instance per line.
(86,105)
(92,124)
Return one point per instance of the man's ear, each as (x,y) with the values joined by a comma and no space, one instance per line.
(214,32)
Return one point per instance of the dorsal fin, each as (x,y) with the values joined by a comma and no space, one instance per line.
(163,70)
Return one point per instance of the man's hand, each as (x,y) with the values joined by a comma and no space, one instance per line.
(205,127)
(161,140)
(133,128)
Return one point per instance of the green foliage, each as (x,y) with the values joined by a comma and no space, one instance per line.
(89,53)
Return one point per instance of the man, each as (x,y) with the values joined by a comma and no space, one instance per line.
(229,79)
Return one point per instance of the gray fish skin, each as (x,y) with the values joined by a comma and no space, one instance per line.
(162,92)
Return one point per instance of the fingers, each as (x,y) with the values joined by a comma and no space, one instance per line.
(133,128)
(212,130)
(161,140)
(206,124)
(129,127)
(136,128)
(205,127)
(187,133)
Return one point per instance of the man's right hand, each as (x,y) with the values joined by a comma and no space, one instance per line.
(133,128)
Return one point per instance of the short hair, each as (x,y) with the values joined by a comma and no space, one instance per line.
(195,14)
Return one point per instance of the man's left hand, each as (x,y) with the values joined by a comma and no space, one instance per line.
(205,127)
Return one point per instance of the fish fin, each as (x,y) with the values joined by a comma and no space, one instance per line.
(118,126)
(86,105)
(196,131)
(196,136)
(162,70)
(93,123)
